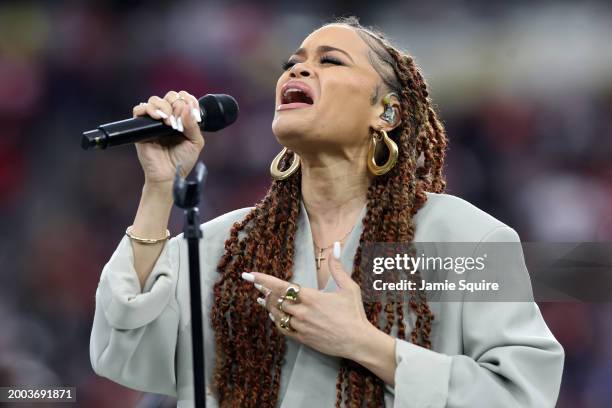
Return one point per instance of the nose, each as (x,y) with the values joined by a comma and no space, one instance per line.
(299,69)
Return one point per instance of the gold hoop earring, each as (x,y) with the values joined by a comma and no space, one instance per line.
(281,175)
(393,153)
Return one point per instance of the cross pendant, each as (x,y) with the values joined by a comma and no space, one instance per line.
(320,258)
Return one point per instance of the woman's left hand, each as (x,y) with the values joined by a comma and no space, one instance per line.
(331,323)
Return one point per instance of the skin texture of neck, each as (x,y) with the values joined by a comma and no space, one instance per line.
(334,191)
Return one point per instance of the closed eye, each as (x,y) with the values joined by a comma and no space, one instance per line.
(324,60)
(329,60)
(287,64)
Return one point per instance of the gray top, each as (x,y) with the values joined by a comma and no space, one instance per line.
(484,354)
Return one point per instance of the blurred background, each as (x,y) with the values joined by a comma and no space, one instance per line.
(524,90)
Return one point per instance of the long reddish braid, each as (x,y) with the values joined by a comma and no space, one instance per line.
(249,350)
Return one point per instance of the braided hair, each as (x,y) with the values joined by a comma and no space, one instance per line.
(249,349)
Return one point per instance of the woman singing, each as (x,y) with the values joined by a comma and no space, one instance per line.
(285,321)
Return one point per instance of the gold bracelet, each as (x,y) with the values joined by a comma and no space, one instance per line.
(147,241)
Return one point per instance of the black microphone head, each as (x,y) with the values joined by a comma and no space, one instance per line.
(220,110)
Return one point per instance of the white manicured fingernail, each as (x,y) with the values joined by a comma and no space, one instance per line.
(179,124)
(161,114)
(248,277)
(173,122)
(259,287)
(337,250)
(261,302)
(272,317)
(196,115)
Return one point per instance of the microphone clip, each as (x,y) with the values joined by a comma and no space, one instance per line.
(187,196)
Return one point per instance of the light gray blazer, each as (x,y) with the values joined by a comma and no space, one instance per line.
(484,354)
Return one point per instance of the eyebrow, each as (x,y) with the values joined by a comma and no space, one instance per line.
(323,48)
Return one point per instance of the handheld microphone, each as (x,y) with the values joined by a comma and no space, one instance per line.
(217,110)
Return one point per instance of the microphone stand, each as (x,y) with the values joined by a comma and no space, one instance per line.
(187,196)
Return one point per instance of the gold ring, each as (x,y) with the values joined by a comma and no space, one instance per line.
(285,323)
(178,98)
(279,303)
(292,292)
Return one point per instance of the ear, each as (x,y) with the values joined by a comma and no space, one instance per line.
(388,111)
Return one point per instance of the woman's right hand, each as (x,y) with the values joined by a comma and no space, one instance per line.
(159,158)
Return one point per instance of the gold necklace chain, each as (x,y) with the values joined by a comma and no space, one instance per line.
(341,240)
(320,257)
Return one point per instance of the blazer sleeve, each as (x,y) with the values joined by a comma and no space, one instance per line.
(510,358)
(134,333)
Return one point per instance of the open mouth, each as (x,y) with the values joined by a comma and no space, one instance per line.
(295,95)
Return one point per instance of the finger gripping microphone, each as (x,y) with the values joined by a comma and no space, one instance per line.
(217,110)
